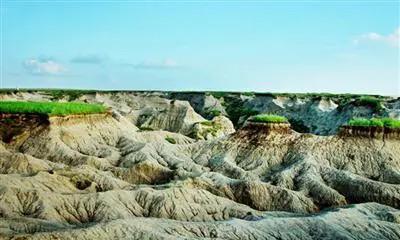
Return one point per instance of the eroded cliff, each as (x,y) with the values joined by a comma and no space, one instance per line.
(105,176)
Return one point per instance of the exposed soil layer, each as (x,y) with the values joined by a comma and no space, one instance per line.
(13,125)
(370,132)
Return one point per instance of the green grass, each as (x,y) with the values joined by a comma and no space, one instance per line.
(50,108)
(170,140)
(369,101)
(375,122)
(213,112)
(391,123)
(207,123)
(269,118)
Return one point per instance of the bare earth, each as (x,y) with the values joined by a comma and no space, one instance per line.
(119,176)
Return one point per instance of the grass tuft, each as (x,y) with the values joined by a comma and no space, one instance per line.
(50,108)
(268,118)
(375,122)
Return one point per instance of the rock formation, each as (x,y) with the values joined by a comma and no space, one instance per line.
(108,176)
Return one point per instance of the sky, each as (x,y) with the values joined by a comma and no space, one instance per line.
(263,46)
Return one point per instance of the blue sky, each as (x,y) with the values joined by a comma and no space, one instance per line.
(278,46)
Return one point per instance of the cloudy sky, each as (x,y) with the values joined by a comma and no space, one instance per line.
(278,46)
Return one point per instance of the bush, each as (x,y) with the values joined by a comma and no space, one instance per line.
(213,112)
(50,108)
(369,101)
(269,118)
(236,109)
(170,140)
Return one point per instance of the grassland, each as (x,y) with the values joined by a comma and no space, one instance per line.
(269,118)
(375,122)
(50,108)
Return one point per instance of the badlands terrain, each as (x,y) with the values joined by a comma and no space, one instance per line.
(189,165)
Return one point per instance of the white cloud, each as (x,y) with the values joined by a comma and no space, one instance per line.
(88,59)
(391,39)
(43,66)
(165,64)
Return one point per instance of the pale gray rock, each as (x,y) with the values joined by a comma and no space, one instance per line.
(101,177)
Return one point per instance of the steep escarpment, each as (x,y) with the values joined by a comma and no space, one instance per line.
(13,125)
(101,176)
(370,132)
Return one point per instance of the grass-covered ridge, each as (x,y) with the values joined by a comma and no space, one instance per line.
(375,122)
(50,108)
(269,118)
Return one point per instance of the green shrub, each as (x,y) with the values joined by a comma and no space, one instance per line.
(236,109)
(269,118)
(369,101)
(50,108)
(170,140)
(213,112)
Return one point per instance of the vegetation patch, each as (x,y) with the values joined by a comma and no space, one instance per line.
(249,94)
(375,122)
(146,129)
(212,127)
(268,118)
(207,127)
(207,123)
(217,95)
(68,94)
(235,109)
(369,101)
(170,140)
(213,112)
(50,108)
